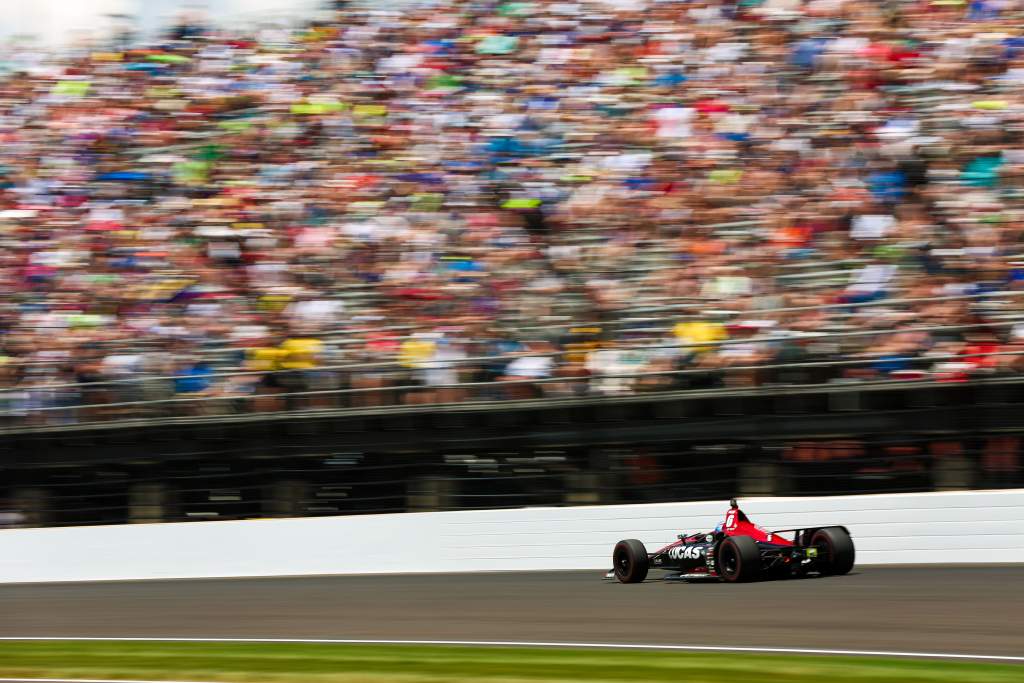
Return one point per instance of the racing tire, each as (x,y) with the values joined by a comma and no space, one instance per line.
(738,559)
(835,549)
(630,561)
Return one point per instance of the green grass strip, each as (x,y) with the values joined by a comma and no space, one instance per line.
(311,663)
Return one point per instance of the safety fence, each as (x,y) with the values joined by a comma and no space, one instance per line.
(297,480)
(783,440)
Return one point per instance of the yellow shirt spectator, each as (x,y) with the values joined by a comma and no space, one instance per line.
(416,351)
(300,353)
(266,358)
(698,332)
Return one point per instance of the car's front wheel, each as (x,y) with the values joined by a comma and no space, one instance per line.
(630,561)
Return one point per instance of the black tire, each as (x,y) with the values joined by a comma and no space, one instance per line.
(738,559)
(835,550)
(630,561)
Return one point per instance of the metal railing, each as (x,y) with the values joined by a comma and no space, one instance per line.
(473,395)
(682,346)
(388,382)
(29,403)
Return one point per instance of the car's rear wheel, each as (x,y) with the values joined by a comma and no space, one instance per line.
(630,561)
(835,550)
(738,559)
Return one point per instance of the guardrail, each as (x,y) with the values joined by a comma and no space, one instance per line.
(931,528)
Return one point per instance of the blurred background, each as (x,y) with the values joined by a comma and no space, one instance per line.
(306,258)
(58,23)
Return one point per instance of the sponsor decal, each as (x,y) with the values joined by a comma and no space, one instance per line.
(812,552)
(685,552)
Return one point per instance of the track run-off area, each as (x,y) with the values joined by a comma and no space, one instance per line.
(947,611)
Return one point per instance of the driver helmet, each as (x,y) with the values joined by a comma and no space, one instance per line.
(720,527)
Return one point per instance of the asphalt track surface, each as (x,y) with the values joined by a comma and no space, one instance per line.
(960,610)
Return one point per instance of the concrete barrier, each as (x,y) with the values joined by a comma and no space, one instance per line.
(957,527)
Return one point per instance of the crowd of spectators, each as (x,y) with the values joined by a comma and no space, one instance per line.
(538,198)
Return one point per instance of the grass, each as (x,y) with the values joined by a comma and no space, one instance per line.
(319,663)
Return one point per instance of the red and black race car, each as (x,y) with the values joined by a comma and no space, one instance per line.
(738,550)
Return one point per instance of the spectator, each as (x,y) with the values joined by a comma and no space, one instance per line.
(413,189)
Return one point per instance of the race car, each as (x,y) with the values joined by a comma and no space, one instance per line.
(737,551)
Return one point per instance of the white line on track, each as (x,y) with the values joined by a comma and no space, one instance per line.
(86,680)
(508,643)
